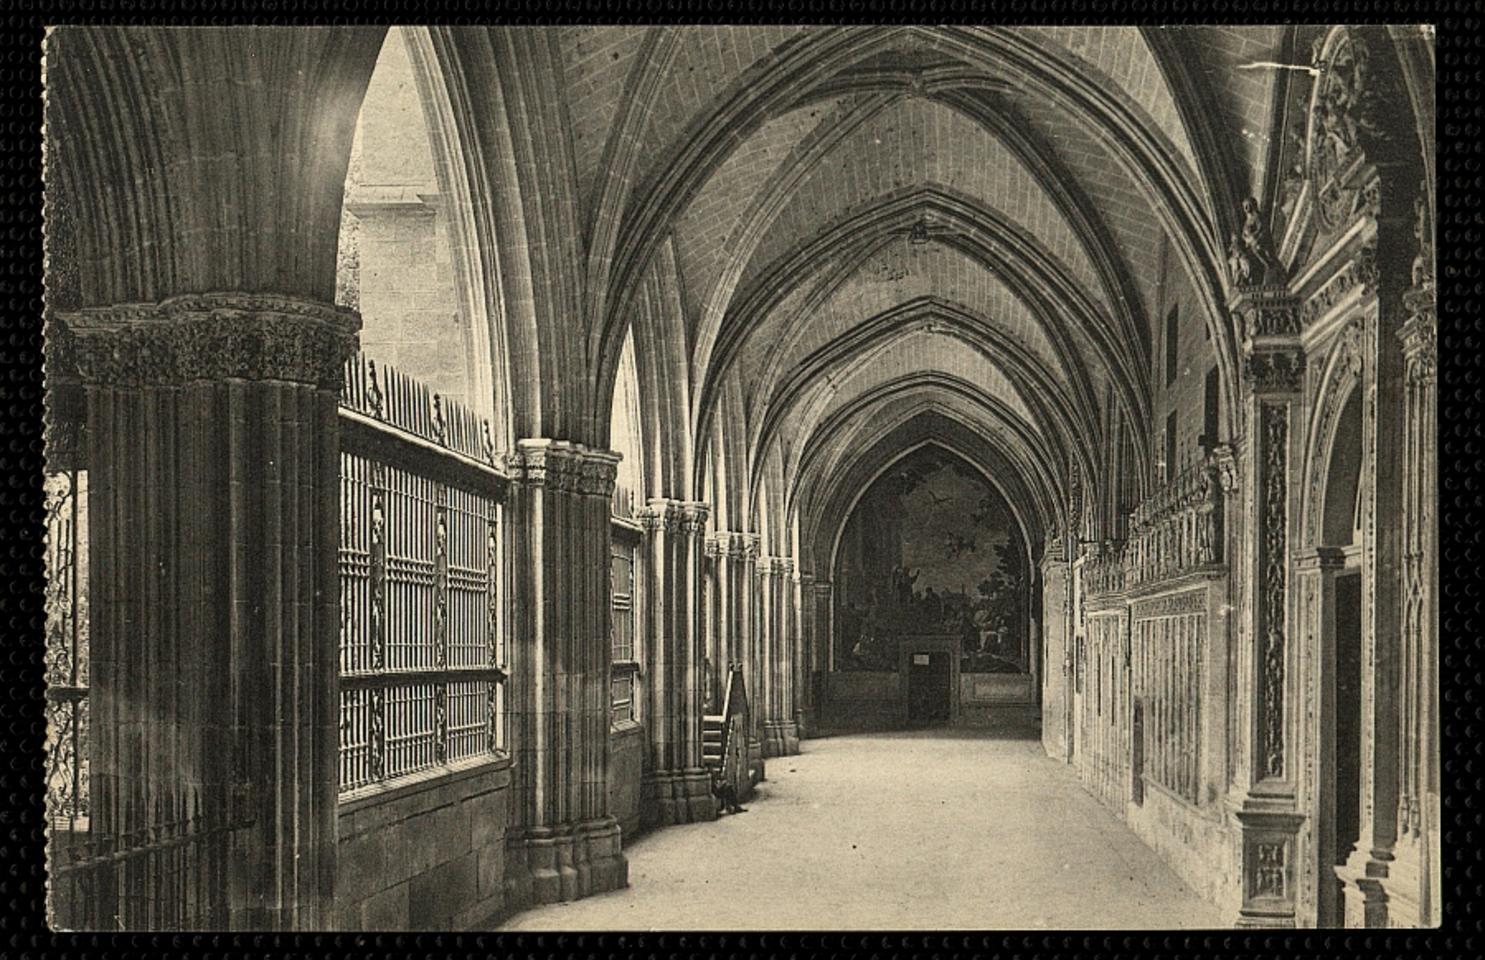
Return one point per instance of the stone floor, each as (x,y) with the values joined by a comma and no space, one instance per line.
(928,829)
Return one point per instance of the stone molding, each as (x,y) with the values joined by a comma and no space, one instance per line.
(196,338)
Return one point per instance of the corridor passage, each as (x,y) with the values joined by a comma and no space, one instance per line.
(934,829)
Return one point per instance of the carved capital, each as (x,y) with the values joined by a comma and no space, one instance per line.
(596,472)
(655,515)
(693,516)
(748,545)
(206,337)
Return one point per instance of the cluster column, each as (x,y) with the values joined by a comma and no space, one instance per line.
(562,843)
(780,728)
(735,615)
(1269,813)
(676,788)
(213,440)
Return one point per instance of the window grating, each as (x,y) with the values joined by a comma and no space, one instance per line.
(420,644)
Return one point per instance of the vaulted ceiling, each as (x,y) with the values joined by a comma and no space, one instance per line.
(865,223)
(854,220)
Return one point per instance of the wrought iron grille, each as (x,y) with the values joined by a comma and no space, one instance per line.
(67,651)
(624,676)
(421,652)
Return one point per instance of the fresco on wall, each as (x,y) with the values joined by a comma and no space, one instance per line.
(932,548)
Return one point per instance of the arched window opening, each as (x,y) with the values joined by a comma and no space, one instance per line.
(422,648)
(396,257)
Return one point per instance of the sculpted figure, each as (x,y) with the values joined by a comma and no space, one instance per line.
(1264,264)
(1239,267)
(1423,262)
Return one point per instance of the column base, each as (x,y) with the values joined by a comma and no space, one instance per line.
(677,796)
(1269,828)
(806,721)
(780,738)
(755,774)
(565,862)
(1379,892)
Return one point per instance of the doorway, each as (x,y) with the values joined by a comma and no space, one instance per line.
(929,679)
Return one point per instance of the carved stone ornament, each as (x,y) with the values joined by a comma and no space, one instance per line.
(694,514)
(1274,371)
(1270,319)
(1344,113)
(564,467)
(1420,339)
(200,338)
(1360,271)
(1274,558)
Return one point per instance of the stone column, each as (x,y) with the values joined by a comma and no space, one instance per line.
(804,653)
(1057,671)
(562,843)
(824,600)
(213,445)
(676,788)
(1269,813)
(780,729)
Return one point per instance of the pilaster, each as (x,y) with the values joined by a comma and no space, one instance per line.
(1269,816)
(1419,825)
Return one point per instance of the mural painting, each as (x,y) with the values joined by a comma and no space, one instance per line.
(932,548)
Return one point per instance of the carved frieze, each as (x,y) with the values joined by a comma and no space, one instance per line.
(1170,605)
(1358,272)
(207,337)
(1274,371)
(1268,318)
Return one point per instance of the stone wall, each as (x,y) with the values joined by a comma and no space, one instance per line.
(1185,396)
(426,856)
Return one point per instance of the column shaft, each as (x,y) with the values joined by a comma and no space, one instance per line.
(214,505)
(562,843)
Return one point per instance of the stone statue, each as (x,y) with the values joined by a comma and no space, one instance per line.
(1264,264)
(1239,267)
(1423,262)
